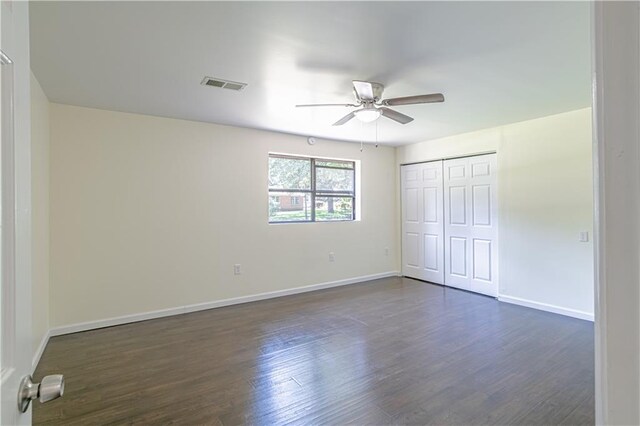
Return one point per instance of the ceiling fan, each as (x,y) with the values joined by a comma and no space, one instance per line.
(372,106)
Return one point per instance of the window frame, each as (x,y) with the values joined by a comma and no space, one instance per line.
(314,192)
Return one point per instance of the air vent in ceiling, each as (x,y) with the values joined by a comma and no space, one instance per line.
(223,84)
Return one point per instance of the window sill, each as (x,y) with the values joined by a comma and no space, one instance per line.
(312,221)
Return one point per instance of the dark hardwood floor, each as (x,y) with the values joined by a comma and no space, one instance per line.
(391,351)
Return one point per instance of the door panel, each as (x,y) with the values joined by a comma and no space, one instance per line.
(422,221)
(482,260)
(480,169)
(457,208)
(458,256)
(456,172)
(431,252)
(431,205)
(412,205)
(412,249)
(481,205)
(470,190)
(430,174)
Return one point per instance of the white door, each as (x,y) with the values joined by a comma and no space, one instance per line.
(470,210)
(15,207)
(422,222)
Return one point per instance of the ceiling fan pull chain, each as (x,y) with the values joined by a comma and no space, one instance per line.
(376,134)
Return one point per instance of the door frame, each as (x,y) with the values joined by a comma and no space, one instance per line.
(615,49)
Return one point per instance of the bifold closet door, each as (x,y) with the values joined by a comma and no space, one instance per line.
(422,222)
(470,211)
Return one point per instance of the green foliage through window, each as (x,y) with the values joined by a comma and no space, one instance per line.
(310,190)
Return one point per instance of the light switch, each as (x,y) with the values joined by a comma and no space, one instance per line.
(584,236)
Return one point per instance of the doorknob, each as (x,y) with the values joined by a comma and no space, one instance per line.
(50,388)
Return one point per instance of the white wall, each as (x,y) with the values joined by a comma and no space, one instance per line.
(150,213)
(545,200)
(40,214)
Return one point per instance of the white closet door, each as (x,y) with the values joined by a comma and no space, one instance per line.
(422,222)
(470,202)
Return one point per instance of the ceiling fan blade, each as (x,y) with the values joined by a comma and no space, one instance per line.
(411,100)
(326,105)
(364,90)
(395,115)
(344,119)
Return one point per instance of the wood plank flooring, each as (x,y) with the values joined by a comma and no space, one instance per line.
(390,351)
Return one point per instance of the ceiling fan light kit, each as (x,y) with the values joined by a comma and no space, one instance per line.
(369,99)
(367,115)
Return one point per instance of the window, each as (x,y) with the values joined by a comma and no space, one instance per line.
(310,189)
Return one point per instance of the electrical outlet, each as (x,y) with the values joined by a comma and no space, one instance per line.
(584,236)
(332,257)
(237,270)
(386,251)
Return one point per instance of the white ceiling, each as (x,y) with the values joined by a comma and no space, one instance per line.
(495,62)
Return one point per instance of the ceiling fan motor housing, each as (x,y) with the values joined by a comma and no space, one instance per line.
(377,91)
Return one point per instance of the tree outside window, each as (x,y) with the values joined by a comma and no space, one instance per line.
(310,189)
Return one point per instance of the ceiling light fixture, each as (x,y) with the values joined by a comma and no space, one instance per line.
(367,115)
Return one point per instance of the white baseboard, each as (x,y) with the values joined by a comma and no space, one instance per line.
(125,319)
(546,307)
(40,351)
